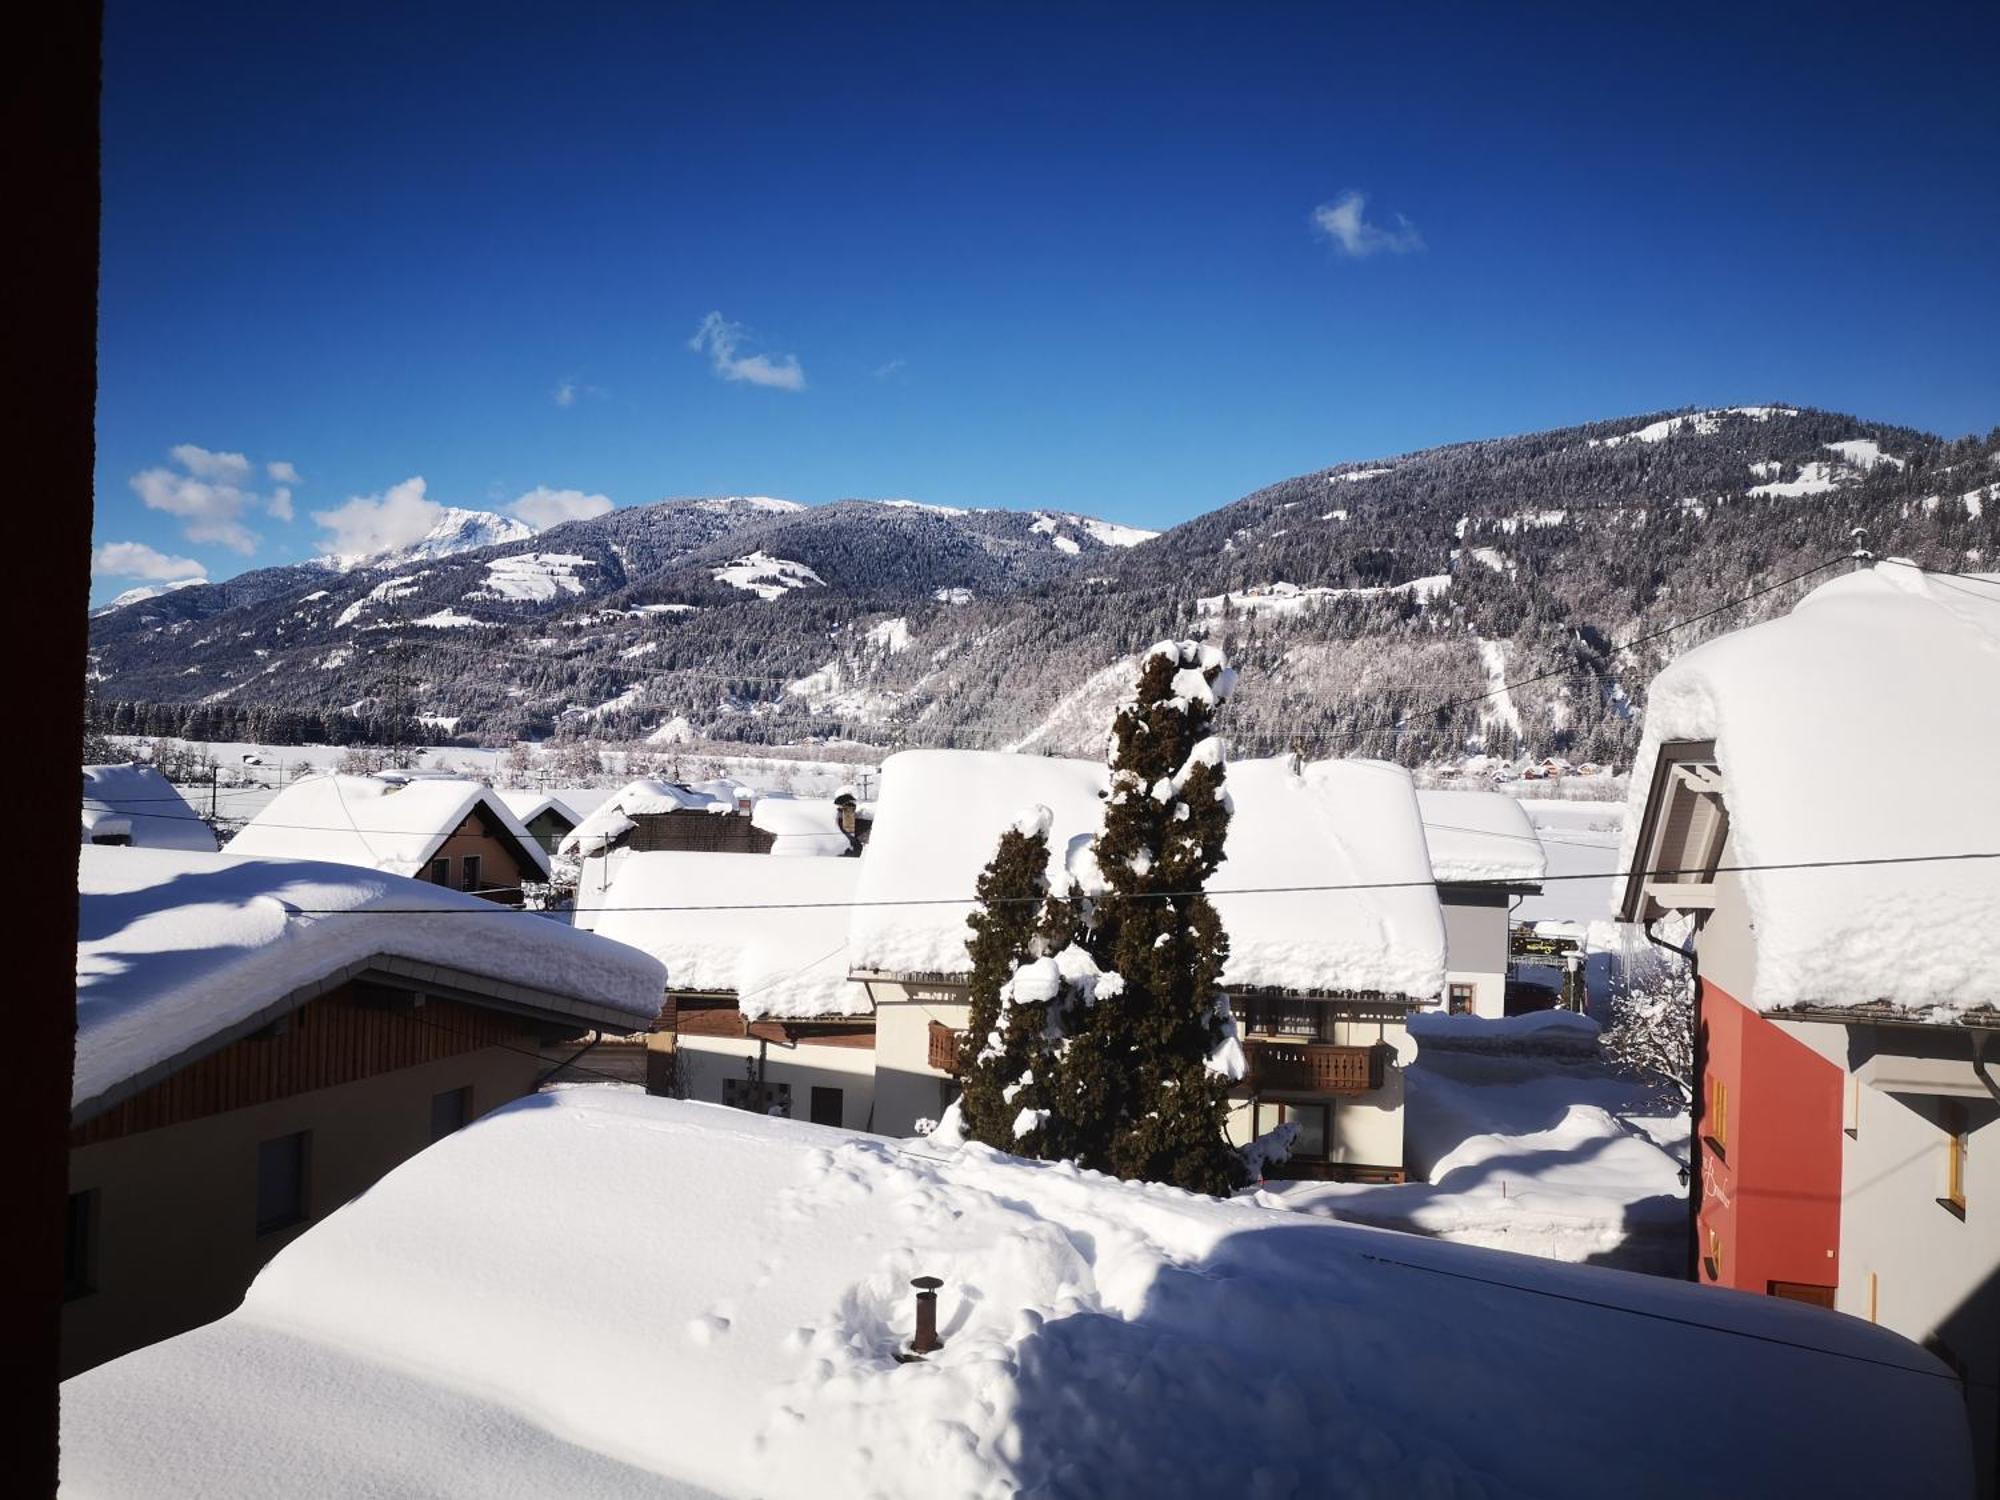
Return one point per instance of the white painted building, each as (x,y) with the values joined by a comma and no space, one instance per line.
(1322,974)
(1807,793)
(1485,856)
(760,1012)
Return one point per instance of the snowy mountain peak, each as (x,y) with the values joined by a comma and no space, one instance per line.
(146,591)
(456,530)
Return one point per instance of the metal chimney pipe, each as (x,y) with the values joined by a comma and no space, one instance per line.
(927,1340)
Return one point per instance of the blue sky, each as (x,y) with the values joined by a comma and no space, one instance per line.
(1135,262)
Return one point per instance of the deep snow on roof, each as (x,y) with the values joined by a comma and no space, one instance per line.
(595,1291)
(612,818)
(175,948)
(1332,823)
(1481,836)
(722,935)
(138,803)
(389,822)
(526,806)
(1863,725)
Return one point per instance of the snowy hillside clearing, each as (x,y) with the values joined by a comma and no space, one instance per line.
(767,577)
(536,577)
(1291,599)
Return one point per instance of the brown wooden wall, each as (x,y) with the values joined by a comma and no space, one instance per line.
(334,1039)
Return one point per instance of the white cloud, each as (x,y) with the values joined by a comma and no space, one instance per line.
(227,468)
(209,493)
(1347,229)
(366,524)
(883,372)
(543,507)
(137,560)
(719,339)
(565,394)
(208,512)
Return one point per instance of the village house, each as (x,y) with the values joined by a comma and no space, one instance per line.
(135,806)
(259,1040)
(1485,856)
(546,816)
(441,829)
(1322,981)
(718,817)
(760,1013)
(1805,801)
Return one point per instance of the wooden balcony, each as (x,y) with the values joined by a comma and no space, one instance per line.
(944,1048)
(1314,1068)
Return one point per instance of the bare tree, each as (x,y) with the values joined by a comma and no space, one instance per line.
(1652,1025)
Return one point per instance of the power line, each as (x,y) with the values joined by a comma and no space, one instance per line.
(1265,890)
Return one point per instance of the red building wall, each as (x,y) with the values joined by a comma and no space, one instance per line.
(1771,1190)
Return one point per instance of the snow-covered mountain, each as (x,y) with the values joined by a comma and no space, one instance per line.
(457,530)
(144,592)
(1372,608)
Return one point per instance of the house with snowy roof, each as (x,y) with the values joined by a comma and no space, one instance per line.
(593,1292)
(134,805)
(1485,855)
(442,829)
(259,1040)
(760,1012)
(1326,892)
(1818,798)
(547,817)
(717,817)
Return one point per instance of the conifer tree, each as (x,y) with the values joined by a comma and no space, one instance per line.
(1132,1091)
(998,1048)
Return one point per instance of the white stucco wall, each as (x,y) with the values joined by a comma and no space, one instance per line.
(706,1062)
(907,1087)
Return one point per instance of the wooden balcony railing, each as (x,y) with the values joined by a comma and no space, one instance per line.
(944,1048)
(1315,1067)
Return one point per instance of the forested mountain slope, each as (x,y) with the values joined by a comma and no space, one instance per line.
(1354,600)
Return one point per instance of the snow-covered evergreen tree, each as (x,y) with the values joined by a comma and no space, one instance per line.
(1003,1040)
(1132,1090)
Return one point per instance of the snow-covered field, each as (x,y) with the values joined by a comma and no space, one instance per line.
(597,1292)
(1520,1142)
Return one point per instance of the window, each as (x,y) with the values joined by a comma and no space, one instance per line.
(1954,1158)
(281,1182)
(439,872)
(758,1098)
(112,840)
(1715,1127)
(80,1246)
(1282,1016)
(1461,1000)
(1711,1263)
(827,1105)
(450,1111)
(1313,1122)
(471,881)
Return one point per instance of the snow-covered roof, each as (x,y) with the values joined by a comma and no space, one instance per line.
(1481,836)
(138,803)
(1329,823)
(175,949)
(522,1307)
(722,936)
(528,806)
(391,822)
(612,818)
(938,819)
(801,826)
(1862,725)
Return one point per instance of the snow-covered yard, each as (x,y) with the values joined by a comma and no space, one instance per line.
(1521,1137)
(596,1292)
